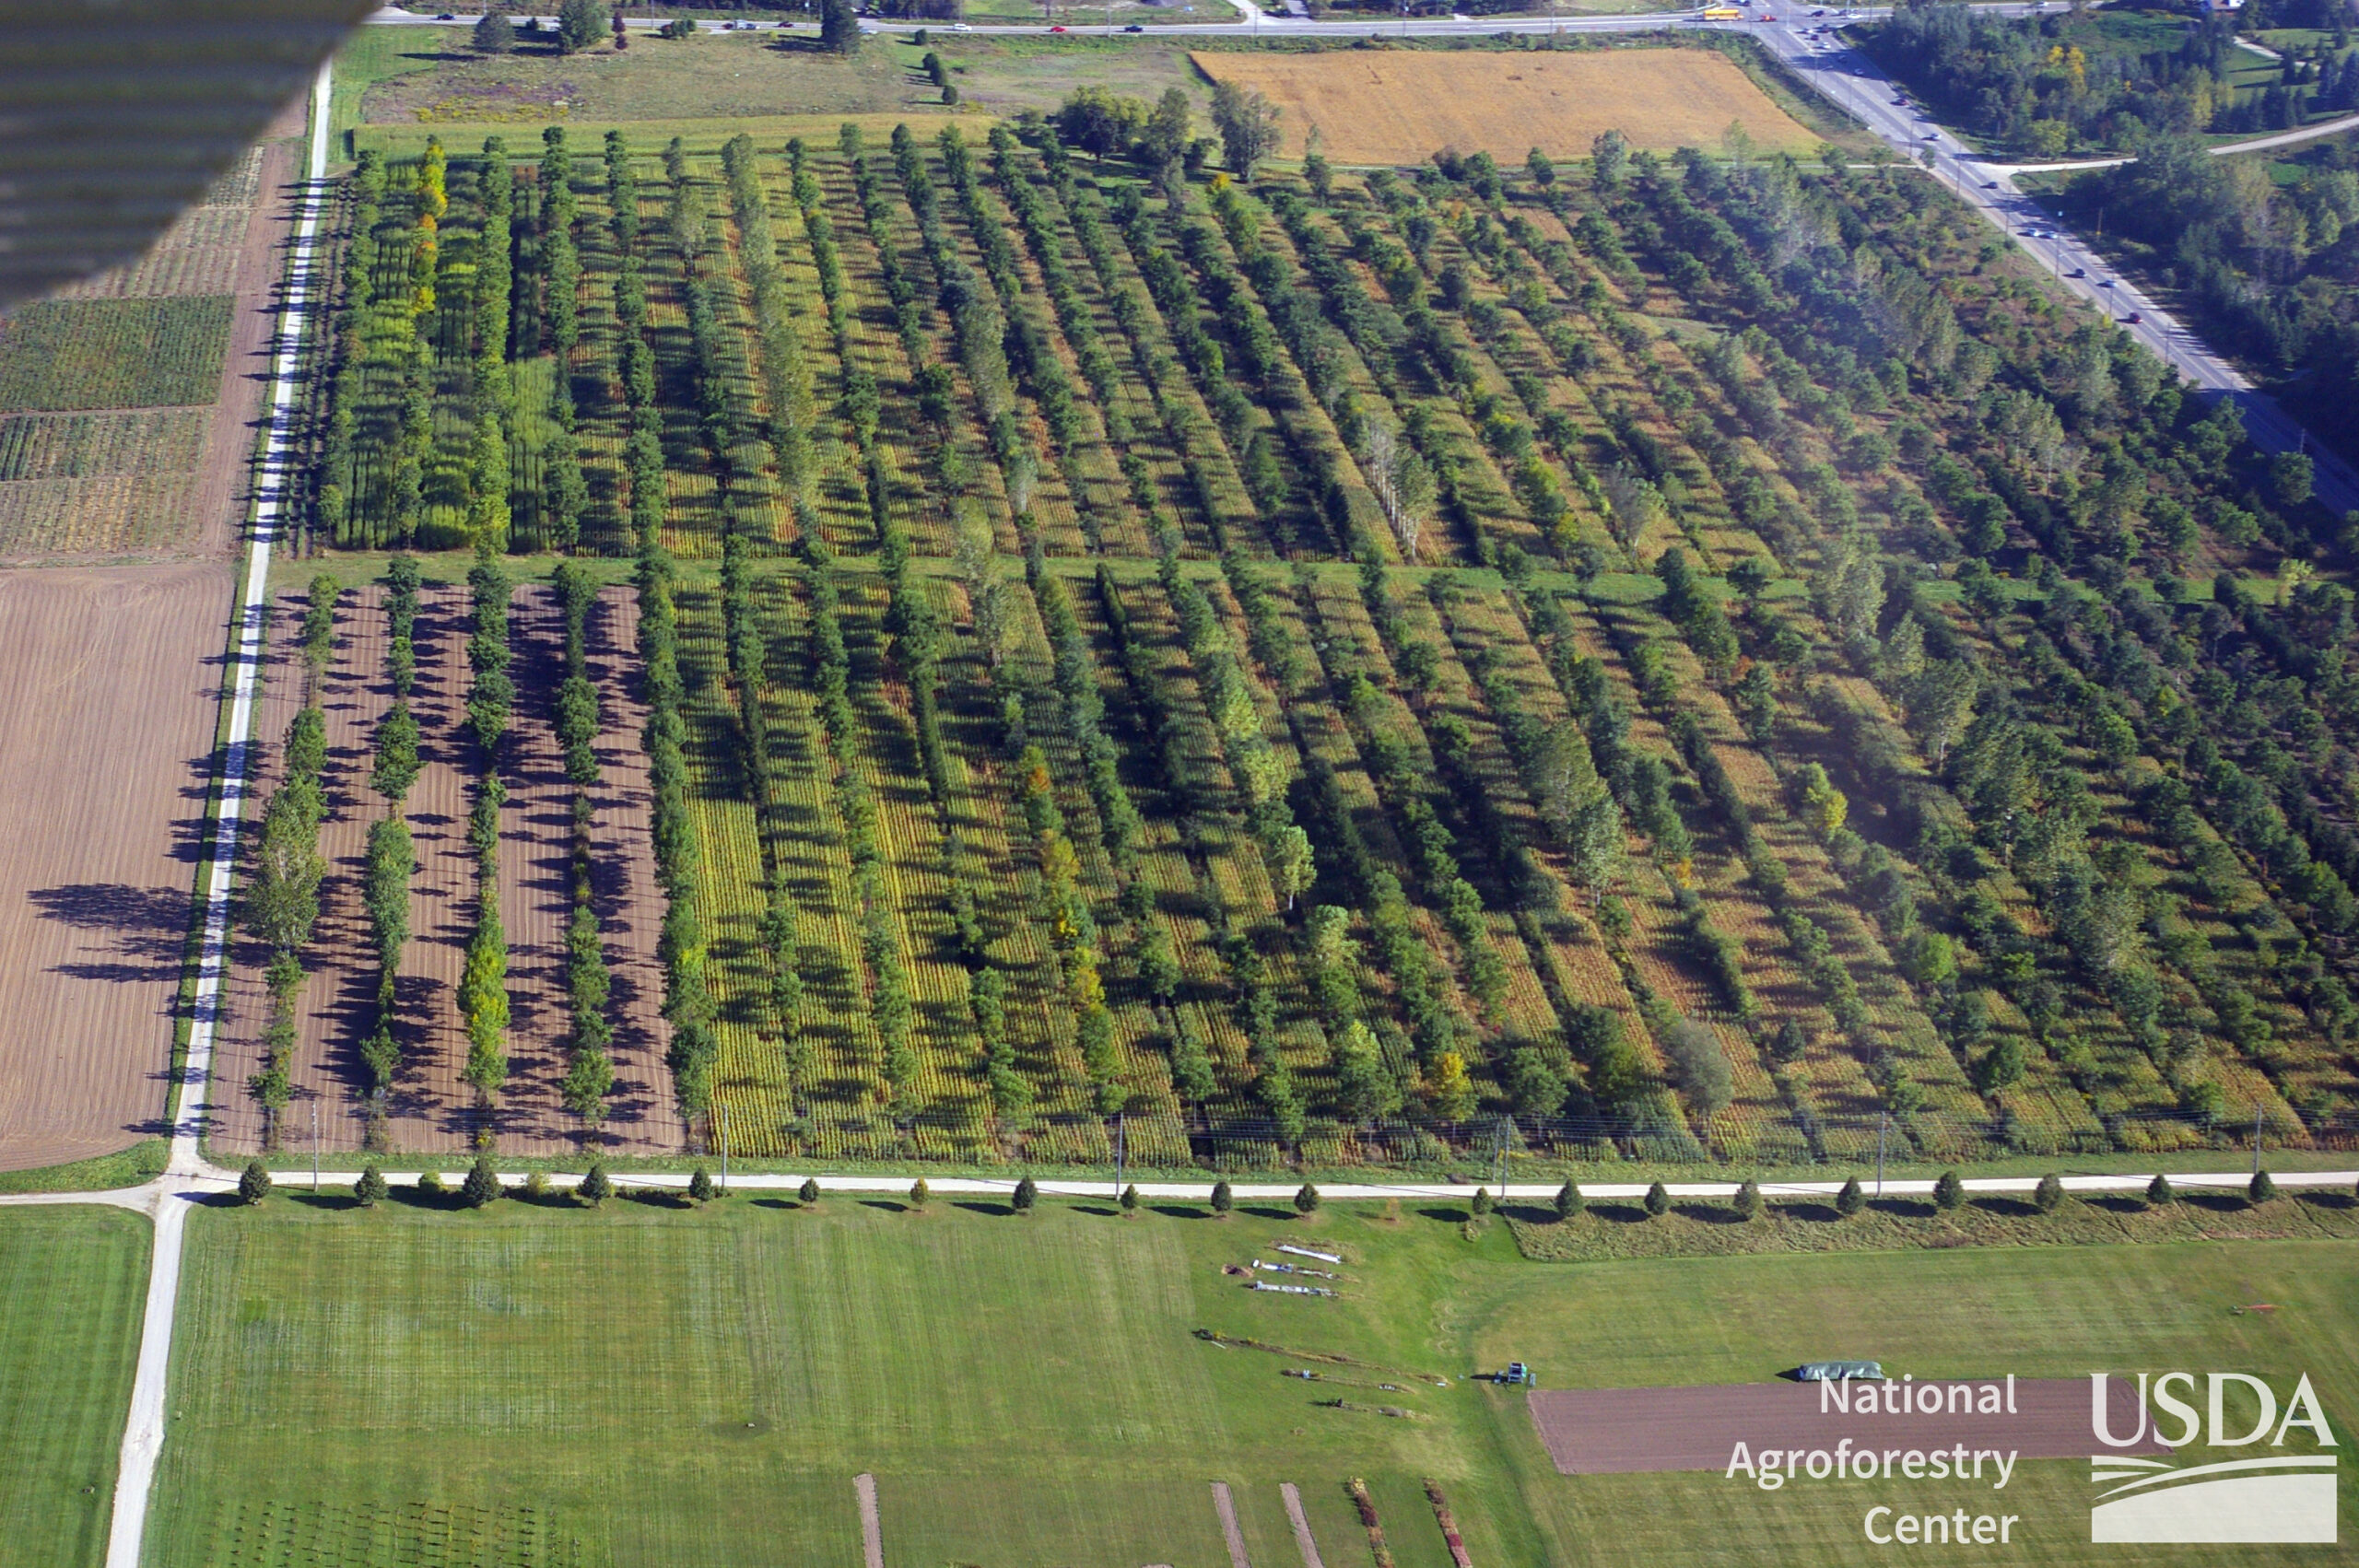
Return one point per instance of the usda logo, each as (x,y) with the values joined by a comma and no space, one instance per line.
(2283,1498)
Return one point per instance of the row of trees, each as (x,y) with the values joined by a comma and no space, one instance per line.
(679,864)
(589,983)
(483,979)
(392,853)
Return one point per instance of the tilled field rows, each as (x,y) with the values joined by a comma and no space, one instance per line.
(430,1108)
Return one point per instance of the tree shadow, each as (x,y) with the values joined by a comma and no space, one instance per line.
(2116,1203)
(1179,1211)
(2006,1208)
(1708,1213)
(1447,1216)
(976,1206)
(1904,1208)
(1280,1214)
(887,1204)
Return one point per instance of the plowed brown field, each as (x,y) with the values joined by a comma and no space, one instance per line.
(432,1108)
(1387,107)
(105,741)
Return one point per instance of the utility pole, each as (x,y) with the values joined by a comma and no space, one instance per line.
(723,1112)
(2255,1137)
(1121,1149)
(315,1148)
(1883,1122)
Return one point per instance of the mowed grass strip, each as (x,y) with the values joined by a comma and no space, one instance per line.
(677,1387)
(113,353)
(1395,106)
(72,1282)
(642,1384)
(1708,1227)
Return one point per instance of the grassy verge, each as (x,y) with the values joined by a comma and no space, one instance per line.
(1471,1172)
(1031,1391)
(72,1280)
(1711,1230)
(144,1160)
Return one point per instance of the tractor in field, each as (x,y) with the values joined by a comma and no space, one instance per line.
(1517,1375)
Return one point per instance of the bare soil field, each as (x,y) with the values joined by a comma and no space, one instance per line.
(432,1109)
(1387,106)
(1631,1431)
(106,746)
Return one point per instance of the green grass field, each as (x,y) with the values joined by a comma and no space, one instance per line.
(640,1385)
(72,1282)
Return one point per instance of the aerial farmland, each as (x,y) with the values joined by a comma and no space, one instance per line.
(943,794)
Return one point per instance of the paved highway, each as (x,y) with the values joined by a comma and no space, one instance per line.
(1805,39)
(1849,78)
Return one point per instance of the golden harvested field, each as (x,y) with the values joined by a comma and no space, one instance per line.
(1384,106)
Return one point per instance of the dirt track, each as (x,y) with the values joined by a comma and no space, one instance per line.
(219,503)
(432,1109)
(105,742)
(1628,1431)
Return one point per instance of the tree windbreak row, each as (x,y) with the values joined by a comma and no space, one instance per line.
(1694,657)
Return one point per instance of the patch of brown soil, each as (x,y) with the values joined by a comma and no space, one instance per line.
(105,755)
(432,1109)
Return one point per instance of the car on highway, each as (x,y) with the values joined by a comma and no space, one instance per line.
(1134,28)
(2105,283)
(955,26)
(2078,271)
(1989,184)
(1060,28)
(2134,318)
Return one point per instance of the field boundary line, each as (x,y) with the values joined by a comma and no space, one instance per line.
(270,502)
(1349,1192)
(1303,1539)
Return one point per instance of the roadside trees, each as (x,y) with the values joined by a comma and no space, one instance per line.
(579,24)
